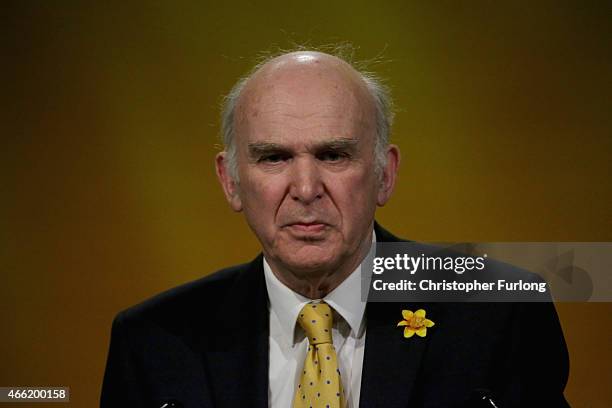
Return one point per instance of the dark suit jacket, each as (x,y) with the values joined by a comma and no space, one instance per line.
(205,344)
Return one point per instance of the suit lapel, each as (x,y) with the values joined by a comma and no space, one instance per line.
(237,358)
(391,362)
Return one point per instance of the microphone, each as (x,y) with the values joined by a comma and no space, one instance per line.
(482,398)
(171,404)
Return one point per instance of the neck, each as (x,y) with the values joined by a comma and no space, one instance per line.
(316,284)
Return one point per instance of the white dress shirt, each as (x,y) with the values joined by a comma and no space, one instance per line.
(288,343)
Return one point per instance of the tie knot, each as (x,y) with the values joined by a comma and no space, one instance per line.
(316,320)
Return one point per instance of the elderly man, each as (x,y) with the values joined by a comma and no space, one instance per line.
(307,160)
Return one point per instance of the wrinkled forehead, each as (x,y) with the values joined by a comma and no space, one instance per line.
(303,86)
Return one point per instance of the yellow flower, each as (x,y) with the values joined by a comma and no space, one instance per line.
(415,323)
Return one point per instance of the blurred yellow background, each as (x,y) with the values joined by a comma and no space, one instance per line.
(109,128)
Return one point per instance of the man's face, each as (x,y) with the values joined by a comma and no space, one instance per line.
(305,149)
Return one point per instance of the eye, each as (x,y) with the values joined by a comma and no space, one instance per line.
(272,158)
(332,156)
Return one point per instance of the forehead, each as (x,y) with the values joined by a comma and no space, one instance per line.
(295,100)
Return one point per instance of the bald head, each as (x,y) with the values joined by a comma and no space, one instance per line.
(307,80)
(304,73)
(301,88)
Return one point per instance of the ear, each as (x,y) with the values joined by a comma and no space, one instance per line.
(230,187)
(388,176)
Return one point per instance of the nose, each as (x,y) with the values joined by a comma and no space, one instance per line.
(306,184)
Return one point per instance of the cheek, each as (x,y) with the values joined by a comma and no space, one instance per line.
(363,183)
(261,198)
(355,194)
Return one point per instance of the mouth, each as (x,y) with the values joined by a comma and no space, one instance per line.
(306,228)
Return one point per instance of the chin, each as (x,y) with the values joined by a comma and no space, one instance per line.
(309,259)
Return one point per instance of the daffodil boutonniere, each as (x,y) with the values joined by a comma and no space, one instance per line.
(415,323)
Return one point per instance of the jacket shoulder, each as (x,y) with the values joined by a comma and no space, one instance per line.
(172,306)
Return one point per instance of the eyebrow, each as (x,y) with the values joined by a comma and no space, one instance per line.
(343,143)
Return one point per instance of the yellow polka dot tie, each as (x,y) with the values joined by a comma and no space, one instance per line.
(320,385)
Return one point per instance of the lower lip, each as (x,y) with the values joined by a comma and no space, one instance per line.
(307,228)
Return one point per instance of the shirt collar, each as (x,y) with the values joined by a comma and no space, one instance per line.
(344,299)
